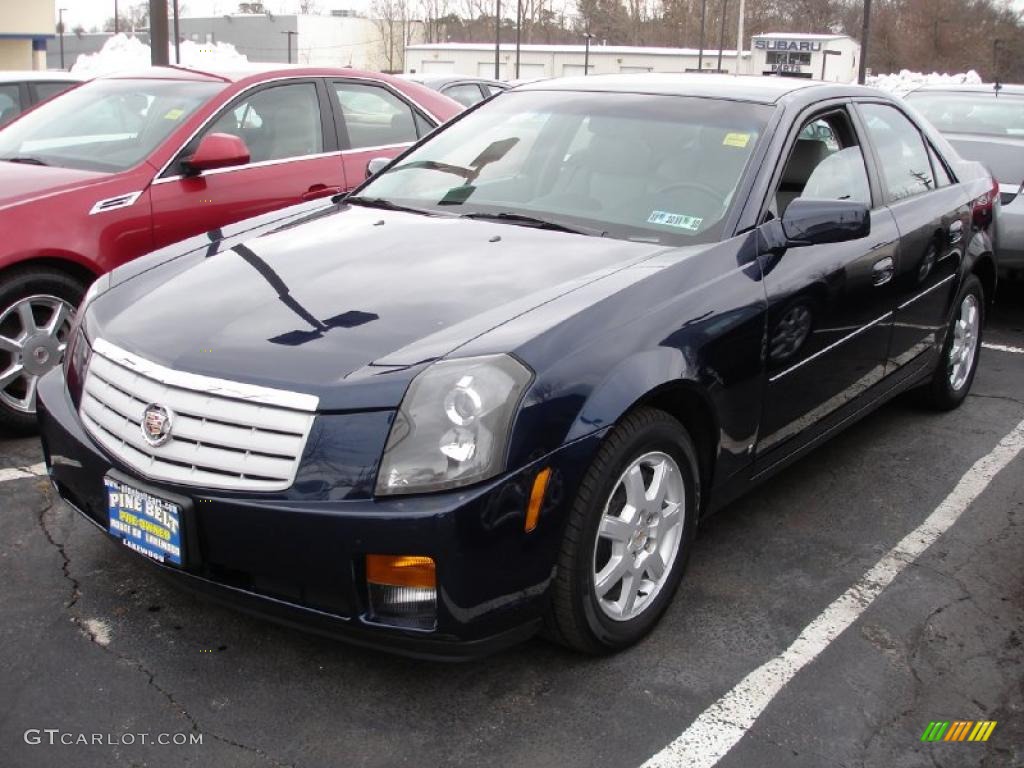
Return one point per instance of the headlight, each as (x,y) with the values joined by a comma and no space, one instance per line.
(452,427)
(76,363)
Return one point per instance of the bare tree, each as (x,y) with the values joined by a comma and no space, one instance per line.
(392,20)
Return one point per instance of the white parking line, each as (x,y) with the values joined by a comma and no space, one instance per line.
(19,473)
(1003,348)
(720,727)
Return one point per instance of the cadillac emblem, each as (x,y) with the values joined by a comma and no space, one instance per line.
(156,424)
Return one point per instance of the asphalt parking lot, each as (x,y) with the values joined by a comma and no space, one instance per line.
(92,642)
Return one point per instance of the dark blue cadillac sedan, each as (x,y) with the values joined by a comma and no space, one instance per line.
(495,389)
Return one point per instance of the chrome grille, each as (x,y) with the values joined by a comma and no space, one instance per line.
(225,435)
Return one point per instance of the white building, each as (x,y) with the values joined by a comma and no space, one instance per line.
(537,61)
(335,41)
(794,55)
(25,28)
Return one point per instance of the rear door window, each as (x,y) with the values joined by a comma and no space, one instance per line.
(374,116)
(467,94)
(44,91)
(906,169)
(10,102)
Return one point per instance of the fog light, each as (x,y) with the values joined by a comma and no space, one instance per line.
(403,590)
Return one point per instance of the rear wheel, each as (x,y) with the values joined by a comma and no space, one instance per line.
(954,373)
(36,308)
(628,537)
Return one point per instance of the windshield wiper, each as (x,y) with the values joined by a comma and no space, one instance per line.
(387,205)
(533,221)
(24,159)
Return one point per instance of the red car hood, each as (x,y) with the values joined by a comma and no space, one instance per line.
(22,183)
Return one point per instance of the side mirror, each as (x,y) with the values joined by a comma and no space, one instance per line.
(217,150)
(817,222)
(376,165)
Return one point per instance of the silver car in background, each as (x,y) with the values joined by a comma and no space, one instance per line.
(986,123)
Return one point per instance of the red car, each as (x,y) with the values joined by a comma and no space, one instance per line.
(126,164)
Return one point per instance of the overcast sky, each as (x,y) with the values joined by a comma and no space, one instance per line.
(90,13)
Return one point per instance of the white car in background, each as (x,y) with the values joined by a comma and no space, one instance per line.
(21,90)
(986,123)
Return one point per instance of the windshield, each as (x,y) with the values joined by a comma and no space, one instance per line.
(982,113)
(105,125)
(639,167)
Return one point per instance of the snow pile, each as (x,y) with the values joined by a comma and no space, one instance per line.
(122,52)
(906,81)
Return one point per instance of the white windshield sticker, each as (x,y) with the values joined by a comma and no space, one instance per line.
(677,220)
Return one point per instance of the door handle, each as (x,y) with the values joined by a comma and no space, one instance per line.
(319,190)
(883,270)
(955,232)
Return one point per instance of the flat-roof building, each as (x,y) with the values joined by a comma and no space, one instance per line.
(787,54)
(25,27)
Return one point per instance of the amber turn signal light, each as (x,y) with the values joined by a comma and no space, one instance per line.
(540,486)
(401,571)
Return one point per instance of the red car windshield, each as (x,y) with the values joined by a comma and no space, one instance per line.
(104,125)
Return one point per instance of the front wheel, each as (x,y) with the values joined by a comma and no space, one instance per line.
(628,537)
(954,373)
(36,308)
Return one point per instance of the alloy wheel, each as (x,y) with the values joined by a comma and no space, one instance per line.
(33,336)
(965,342)
(639,536)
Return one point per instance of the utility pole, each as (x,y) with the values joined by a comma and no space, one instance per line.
(739,37)
(291,33)
(586,53)
(177,36)
(864,33)
(497,39)
(721,37)
(703,14)
(116,20)
(60,28)
(158,33)
(519,25)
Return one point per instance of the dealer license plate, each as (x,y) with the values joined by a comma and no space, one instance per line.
(145,523)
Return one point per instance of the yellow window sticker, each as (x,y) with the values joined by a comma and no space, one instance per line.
(174,114)
(736,140)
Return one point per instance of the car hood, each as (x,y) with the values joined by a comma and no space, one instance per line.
(359,297)
(22,183)
(1004,157)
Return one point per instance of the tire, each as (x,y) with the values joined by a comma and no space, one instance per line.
(45,291)
(577,616)
(947,388)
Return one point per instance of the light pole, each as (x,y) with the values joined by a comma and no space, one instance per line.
(739,36)
(60,29)
(290,34)
(158,36)
(497,39)
(824,60)
(721,37)
(996,42)
(586,53)
(519,24)
(177,36)
(700,54)
(864,32)
(116,28)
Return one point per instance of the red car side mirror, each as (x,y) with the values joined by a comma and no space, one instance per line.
(217,150)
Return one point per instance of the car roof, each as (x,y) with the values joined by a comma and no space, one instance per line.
(237,72)
(755,88)
(439,80)
(35,75)
(974,88)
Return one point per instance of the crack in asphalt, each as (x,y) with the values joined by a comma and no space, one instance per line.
(1008,398)
(76,594)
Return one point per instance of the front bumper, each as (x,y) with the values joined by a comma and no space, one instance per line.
(301,562)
